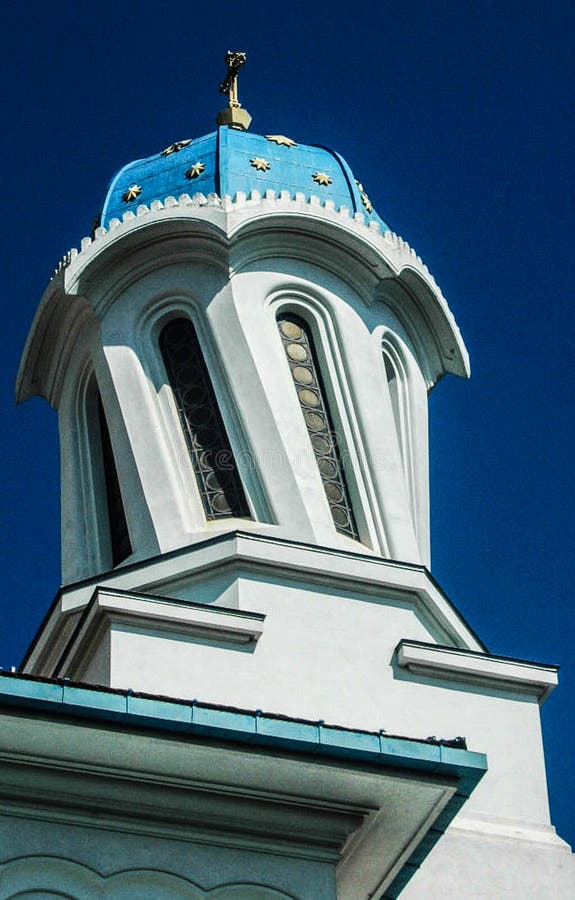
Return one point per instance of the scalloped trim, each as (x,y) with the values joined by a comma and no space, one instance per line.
(281,199)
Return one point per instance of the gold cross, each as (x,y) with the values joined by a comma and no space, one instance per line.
(229,86)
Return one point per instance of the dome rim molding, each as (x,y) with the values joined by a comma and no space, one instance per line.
(384,258)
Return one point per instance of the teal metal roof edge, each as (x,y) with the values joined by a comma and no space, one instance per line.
(63,697)
(257,728)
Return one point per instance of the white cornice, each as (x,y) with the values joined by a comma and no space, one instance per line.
(110,607)
(500,672)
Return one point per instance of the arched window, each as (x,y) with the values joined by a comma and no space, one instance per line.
(114,540)
(306,374)
(396,394)
(208,443)
(119,536)
(411,430)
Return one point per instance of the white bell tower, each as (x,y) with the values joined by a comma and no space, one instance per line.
(257,364)
(240,357)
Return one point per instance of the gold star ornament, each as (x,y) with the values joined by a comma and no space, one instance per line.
(321,178)
(260,164)
(364,198)
(176,147)
(196,170)
(366,202)
(281,140)
(132,193)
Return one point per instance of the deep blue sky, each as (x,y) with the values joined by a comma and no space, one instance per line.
(458,118)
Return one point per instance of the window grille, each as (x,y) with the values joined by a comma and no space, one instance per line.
(298,345)
(208,443)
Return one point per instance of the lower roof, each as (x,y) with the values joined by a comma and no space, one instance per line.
(398,760)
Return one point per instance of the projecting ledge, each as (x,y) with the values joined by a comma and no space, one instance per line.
(500,672)
(110,608)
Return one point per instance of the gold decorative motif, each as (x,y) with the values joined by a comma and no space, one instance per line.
(364,198)
(302,375)
(132,193)
(297,352)
(260,164)
(366,202)
(308,398)
(176,147)
(321,178)
(280,139)
(196,170)
(291,330)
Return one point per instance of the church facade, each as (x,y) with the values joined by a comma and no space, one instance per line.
(249,684)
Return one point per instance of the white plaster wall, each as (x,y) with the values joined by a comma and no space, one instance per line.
(465,864)
(327,655)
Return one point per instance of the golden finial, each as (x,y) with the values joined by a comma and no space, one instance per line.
(234,115)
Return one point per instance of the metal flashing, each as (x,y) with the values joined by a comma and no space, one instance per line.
(64,697)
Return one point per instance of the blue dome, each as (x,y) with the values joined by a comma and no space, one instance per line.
(228,161)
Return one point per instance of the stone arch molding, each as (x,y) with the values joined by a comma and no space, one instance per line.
(47,877)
